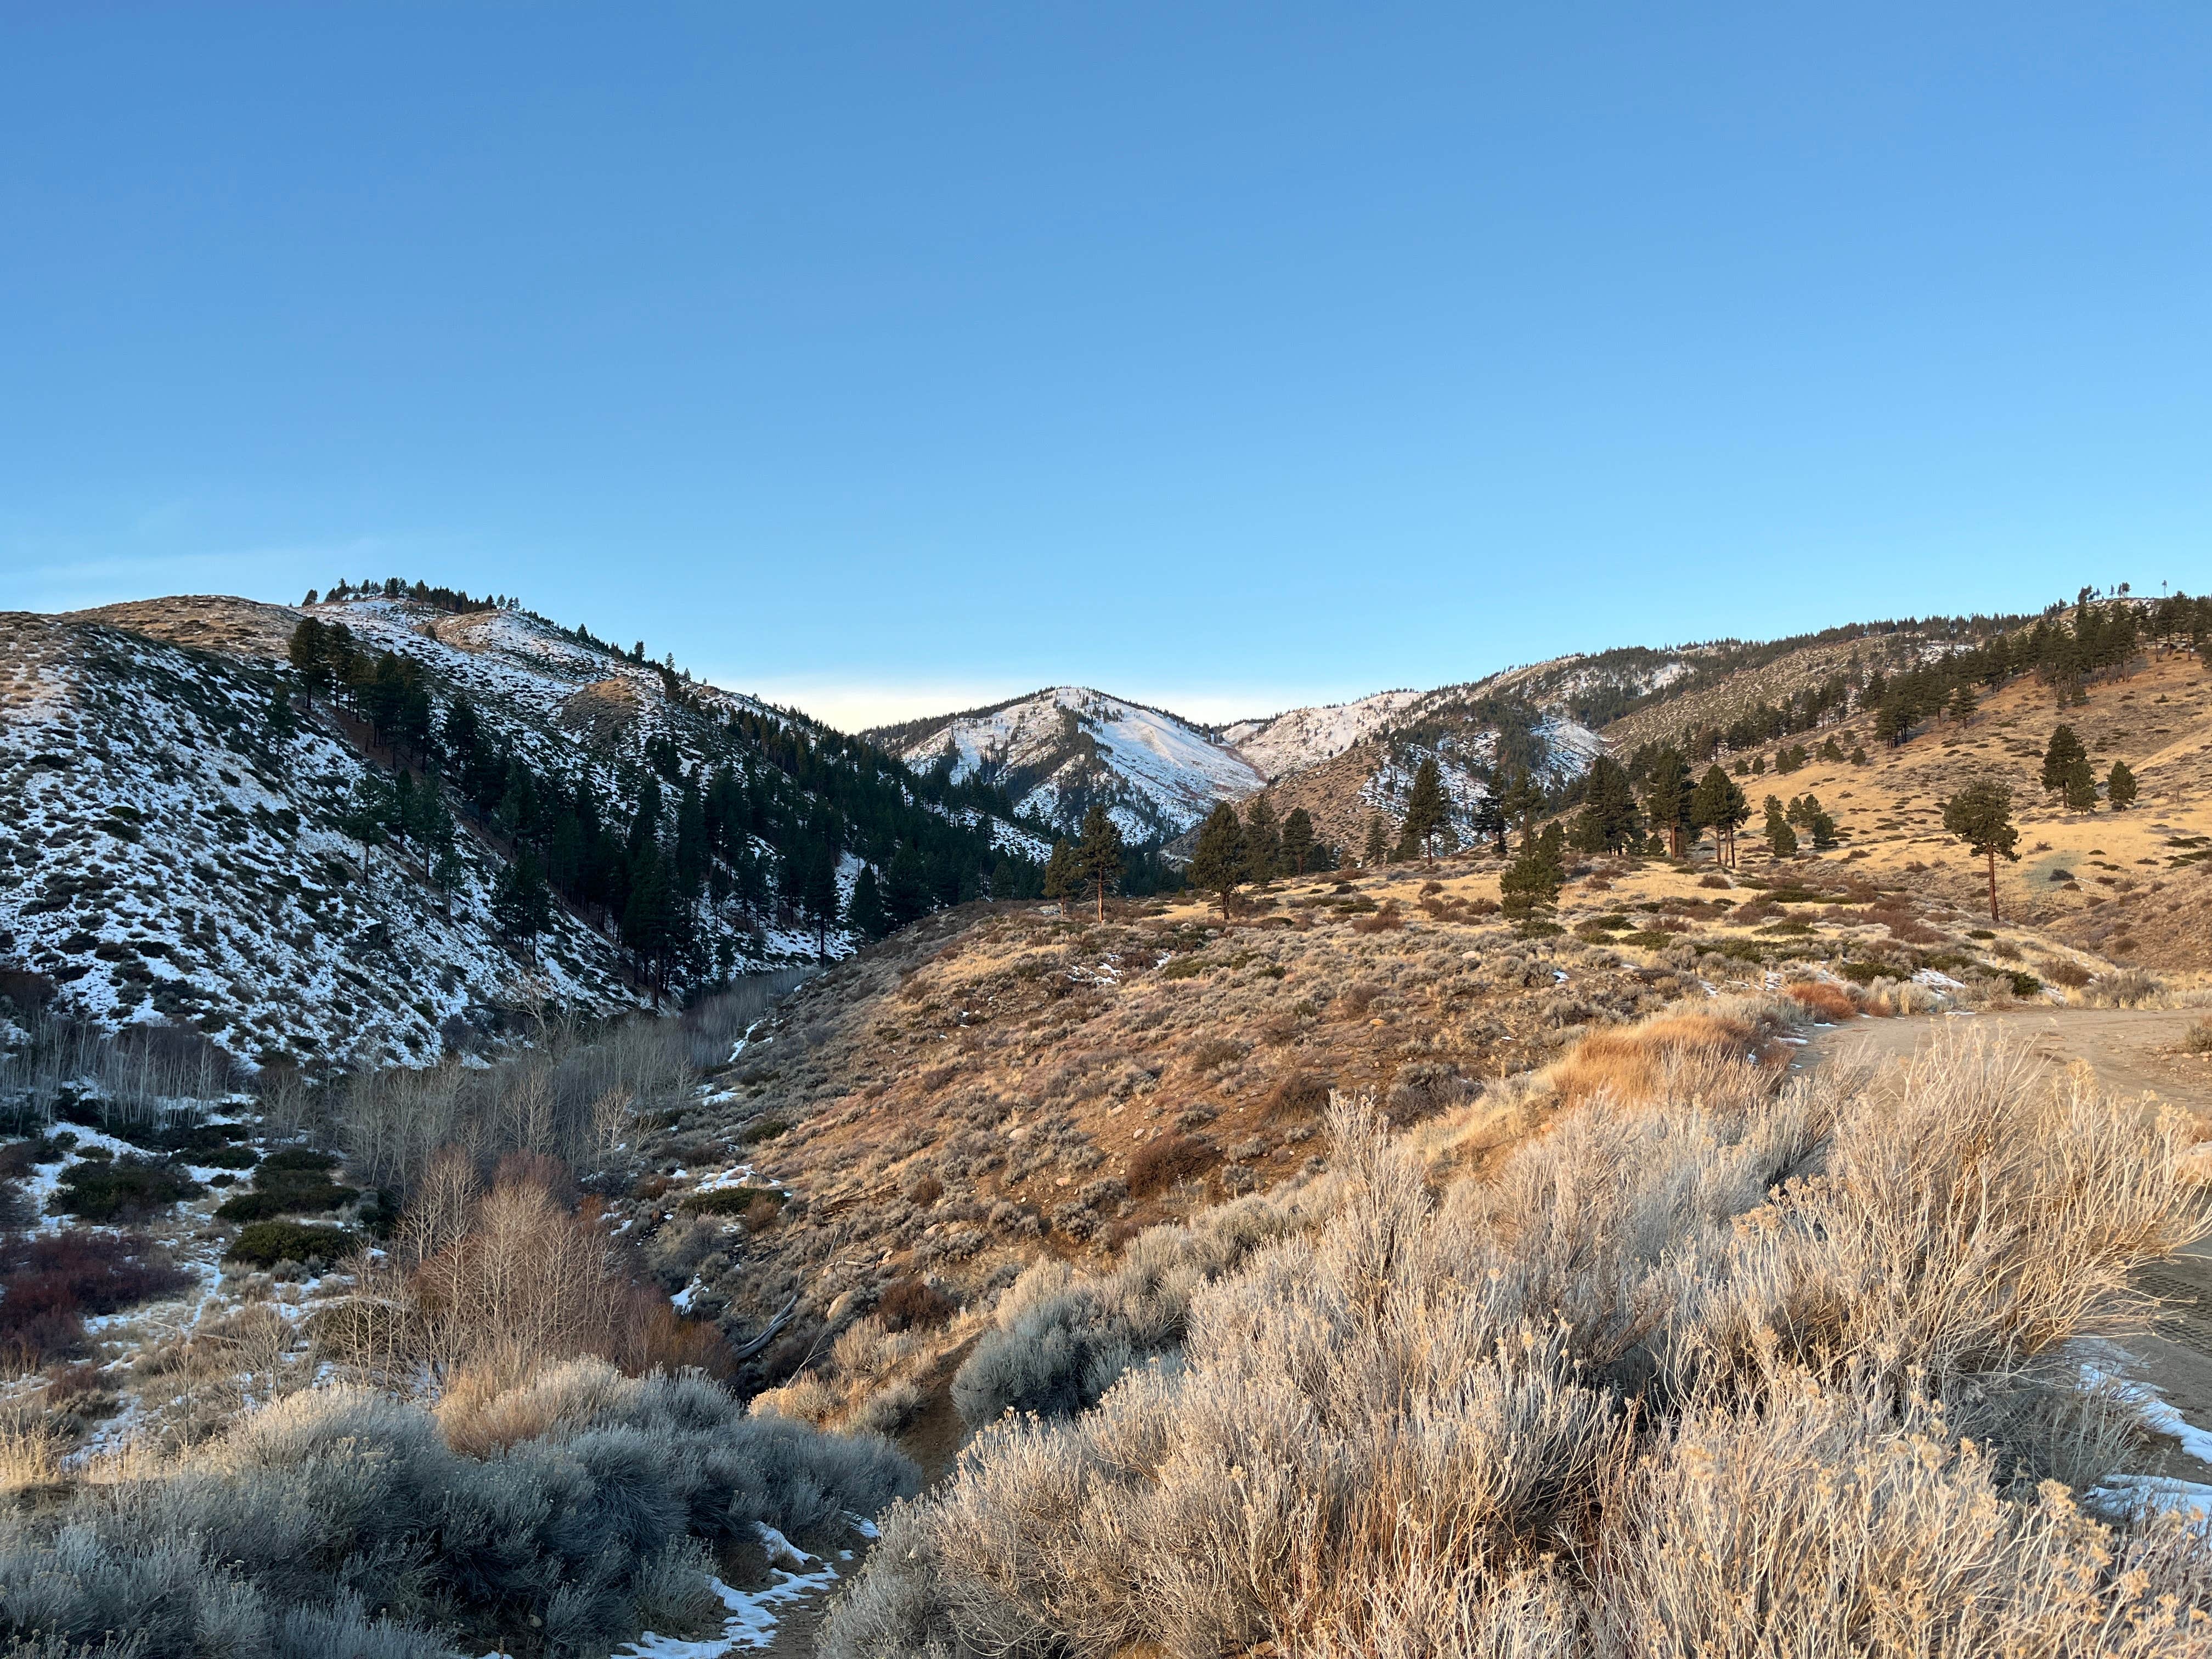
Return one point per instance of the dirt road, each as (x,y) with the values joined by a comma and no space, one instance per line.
(2132,1052)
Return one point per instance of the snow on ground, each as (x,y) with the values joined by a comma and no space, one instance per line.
(1292,741)
(752,1615)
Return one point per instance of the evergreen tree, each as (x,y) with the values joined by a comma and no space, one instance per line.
(818,892)
(365,814)
(1981,816)
(867,912)
(1892,722)
(1218,865)
(1858,757)
(1298,840)
(521,904)
(2080,788)
(2120,786)
(1523,801)
(1425,807)
(2059,759)
(1488,821)
(1263,842)
(1062,880)
(1531,882)
(648,922)
(1378,840)
(906,894)
(1781,839)
(283,725)
(692,849)
(1962,704)
(1609,820)
(1667,798)
(1098,857)
(645,828)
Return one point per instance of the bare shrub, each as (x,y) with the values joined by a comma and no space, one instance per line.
(49,1283)
(906,1303)
(1166,1159)
(2124,987)
(1822,999)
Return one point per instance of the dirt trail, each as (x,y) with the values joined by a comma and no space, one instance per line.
(2131,1051)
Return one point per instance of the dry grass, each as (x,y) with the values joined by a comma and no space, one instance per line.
(1823,1000)
(1641,1062)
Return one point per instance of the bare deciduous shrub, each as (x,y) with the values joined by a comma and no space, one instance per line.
(2124,987)
(906,1303)
(50,1282)
(1166,1159)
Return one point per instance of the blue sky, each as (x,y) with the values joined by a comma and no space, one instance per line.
(888,358)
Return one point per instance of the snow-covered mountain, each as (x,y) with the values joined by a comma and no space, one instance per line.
(178,833)
(1299,738)
(1058,751)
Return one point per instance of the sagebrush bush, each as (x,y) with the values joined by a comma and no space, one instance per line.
(340,1522)
(1842,1313)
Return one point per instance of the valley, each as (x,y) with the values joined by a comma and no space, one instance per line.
(370,1162)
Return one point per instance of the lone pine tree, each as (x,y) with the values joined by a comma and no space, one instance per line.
(1426,807)
(2120,787)
(1531,882)
(1980,815)
(1217,865)
(1098,854)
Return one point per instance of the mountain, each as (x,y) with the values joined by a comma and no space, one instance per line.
(1056,752)
(444,818)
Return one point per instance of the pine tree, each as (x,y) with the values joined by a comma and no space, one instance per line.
(867,912)
(1981,816)
(1609,820)
(1781,839)
(906,894)
(1425,807)
(1062,880)
(364,815)
(1488,818)
(1522,800)
(1858,756)
(818,892)
(1378,840)
(1218,865)
(1531,882)
(2080,788)
(283,725)
(521,905)
(2120,786)
(1263,842)
(1098,860)
(648,922)
(2059,759)
(1667,798)
(1963,704)
(1298,840)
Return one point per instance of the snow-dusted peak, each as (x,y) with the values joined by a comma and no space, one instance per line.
(1059,749)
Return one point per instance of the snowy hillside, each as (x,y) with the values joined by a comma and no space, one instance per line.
(1300,738)
(1058,751)
(176,842)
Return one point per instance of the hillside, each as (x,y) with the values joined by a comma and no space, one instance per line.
(1056,753)
(455,825)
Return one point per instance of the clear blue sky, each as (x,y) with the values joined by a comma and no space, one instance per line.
(882,357)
